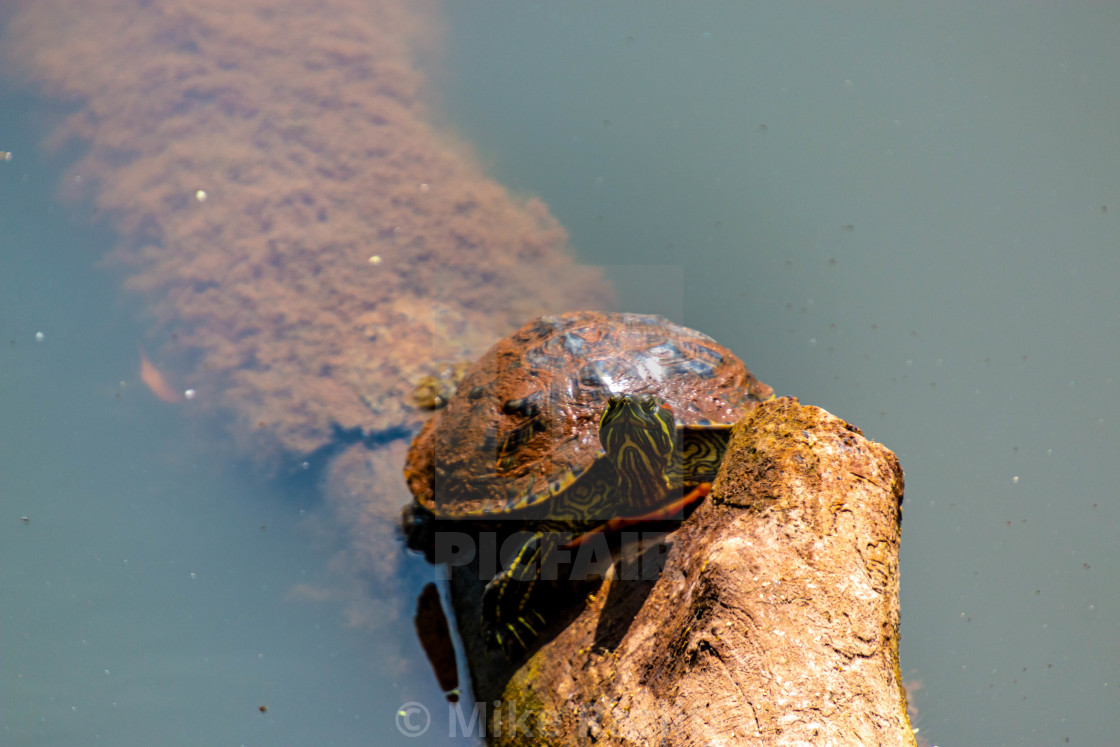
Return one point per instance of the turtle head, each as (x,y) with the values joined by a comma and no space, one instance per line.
(640,438)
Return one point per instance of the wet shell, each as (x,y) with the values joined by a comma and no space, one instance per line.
(526,415)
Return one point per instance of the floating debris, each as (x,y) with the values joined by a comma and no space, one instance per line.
(155,381)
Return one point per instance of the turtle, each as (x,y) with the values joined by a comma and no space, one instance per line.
(573,422)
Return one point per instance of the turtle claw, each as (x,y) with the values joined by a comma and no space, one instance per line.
(510,616)
(504,602)
(510,601)
(515,637)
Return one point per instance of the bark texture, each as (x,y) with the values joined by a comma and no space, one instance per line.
(774,621)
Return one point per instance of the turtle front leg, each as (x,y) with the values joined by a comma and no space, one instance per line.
(510,615)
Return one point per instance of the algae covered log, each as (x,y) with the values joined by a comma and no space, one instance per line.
(306,241)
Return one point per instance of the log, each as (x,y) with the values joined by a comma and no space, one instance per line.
(774,621)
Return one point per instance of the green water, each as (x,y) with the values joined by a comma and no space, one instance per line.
(908,216)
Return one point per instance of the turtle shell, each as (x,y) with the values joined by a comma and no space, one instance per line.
(526,415)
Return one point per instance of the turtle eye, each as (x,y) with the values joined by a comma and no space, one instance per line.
(653,405)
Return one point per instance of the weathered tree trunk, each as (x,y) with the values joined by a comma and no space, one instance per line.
(774,620)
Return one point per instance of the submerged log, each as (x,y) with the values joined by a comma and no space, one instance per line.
(773,621)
